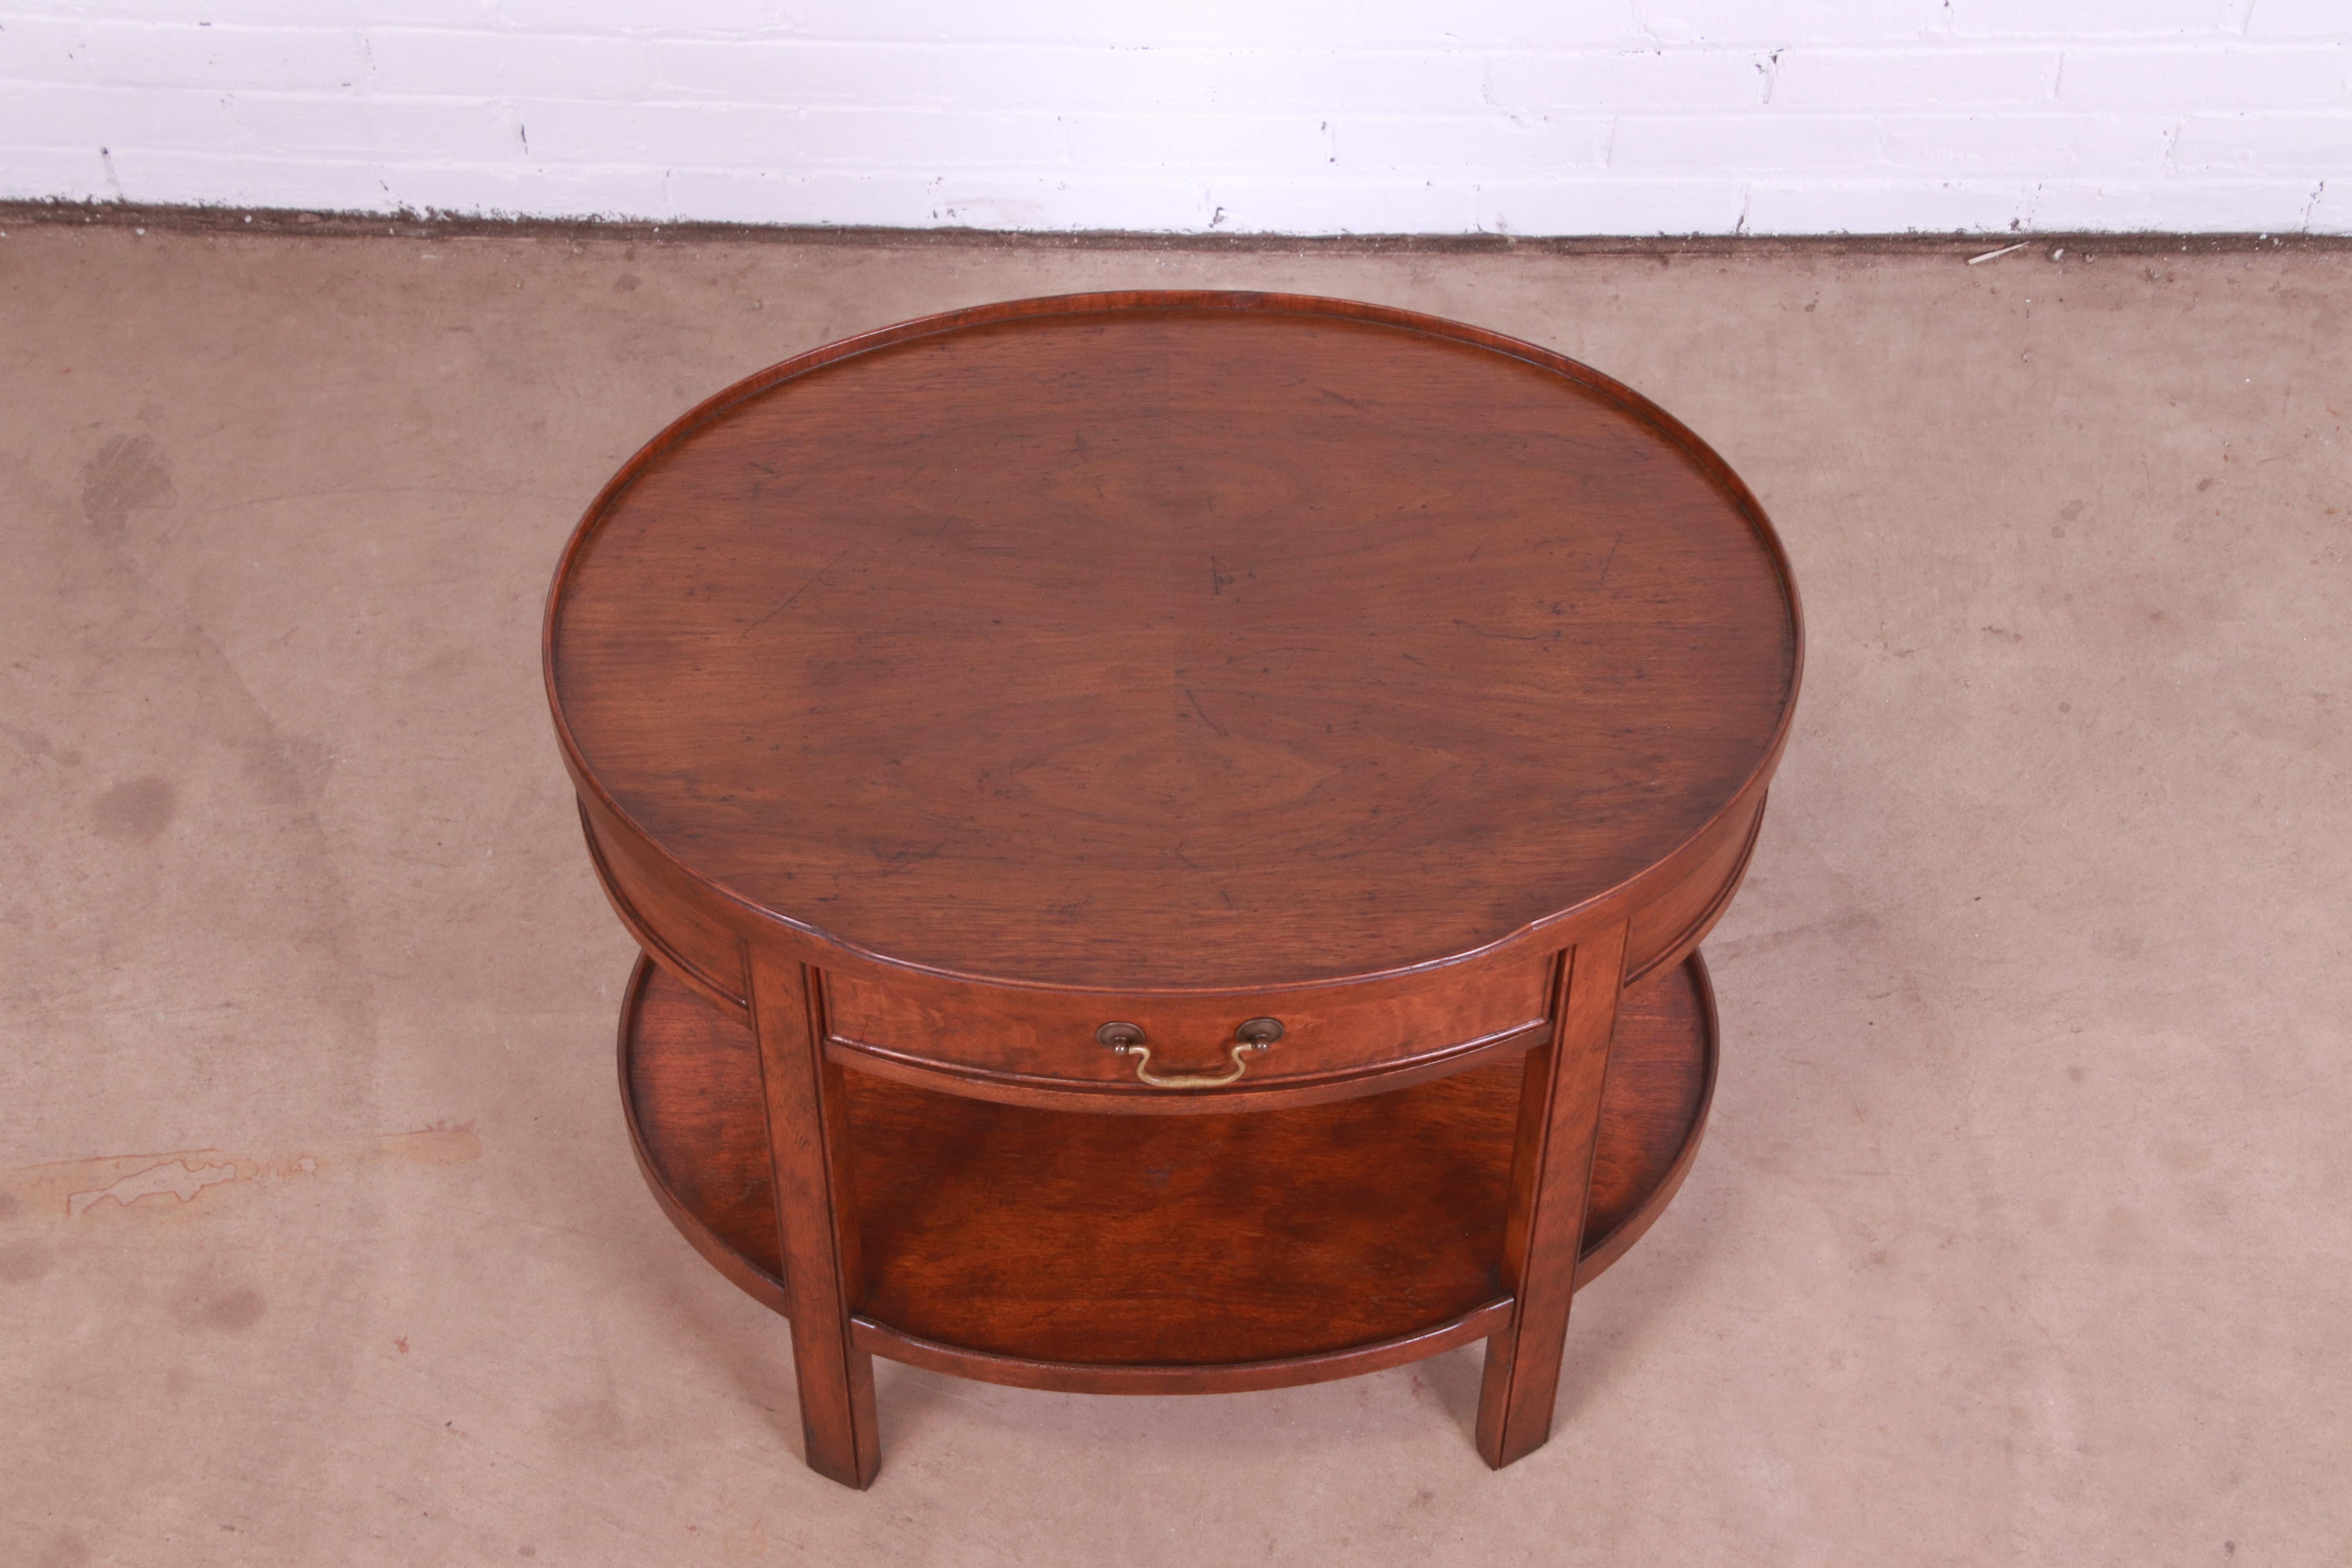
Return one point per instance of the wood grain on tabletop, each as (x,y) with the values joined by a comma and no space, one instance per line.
(1200,644)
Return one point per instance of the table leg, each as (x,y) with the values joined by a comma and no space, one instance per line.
(1551,1176)
(816,1221)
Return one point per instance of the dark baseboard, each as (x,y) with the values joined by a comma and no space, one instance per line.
(279,221)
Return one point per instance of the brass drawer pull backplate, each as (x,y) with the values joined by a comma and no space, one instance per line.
(1126,1041)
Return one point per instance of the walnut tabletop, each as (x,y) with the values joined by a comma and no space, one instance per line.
(1168,704)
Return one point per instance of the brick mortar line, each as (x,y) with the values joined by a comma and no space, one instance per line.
(311,224)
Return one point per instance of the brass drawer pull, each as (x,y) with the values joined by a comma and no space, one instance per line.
(1126,1041)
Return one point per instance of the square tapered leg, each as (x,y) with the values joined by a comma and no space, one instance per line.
(816,1220)
(1551,1178)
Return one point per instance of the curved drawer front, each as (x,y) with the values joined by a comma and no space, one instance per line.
(1670,923)
(1052,1038)
(662,916)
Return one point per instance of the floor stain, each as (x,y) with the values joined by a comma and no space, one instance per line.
(136,811)
(127,472)
(746,1545)
(177,1177)
(66,1550)
(39,746)
(23,1262)
(229,1309)
(1843,930)
(187,1181)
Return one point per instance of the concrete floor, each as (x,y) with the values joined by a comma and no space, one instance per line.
(2019,1235)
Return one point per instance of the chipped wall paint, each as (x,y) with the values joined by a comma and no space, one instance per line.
(1280,116)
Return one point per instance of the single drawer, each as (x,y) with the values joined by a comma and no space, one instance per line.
(1068,1039)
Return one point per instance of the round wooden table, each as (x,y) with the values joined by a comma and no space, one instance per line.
(1170,834)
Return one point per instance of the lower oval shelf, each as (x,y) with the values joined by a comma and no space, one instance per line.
(1161,1255)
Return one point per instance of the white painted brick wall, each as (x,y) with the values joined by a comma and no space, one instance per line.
(1303,116)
